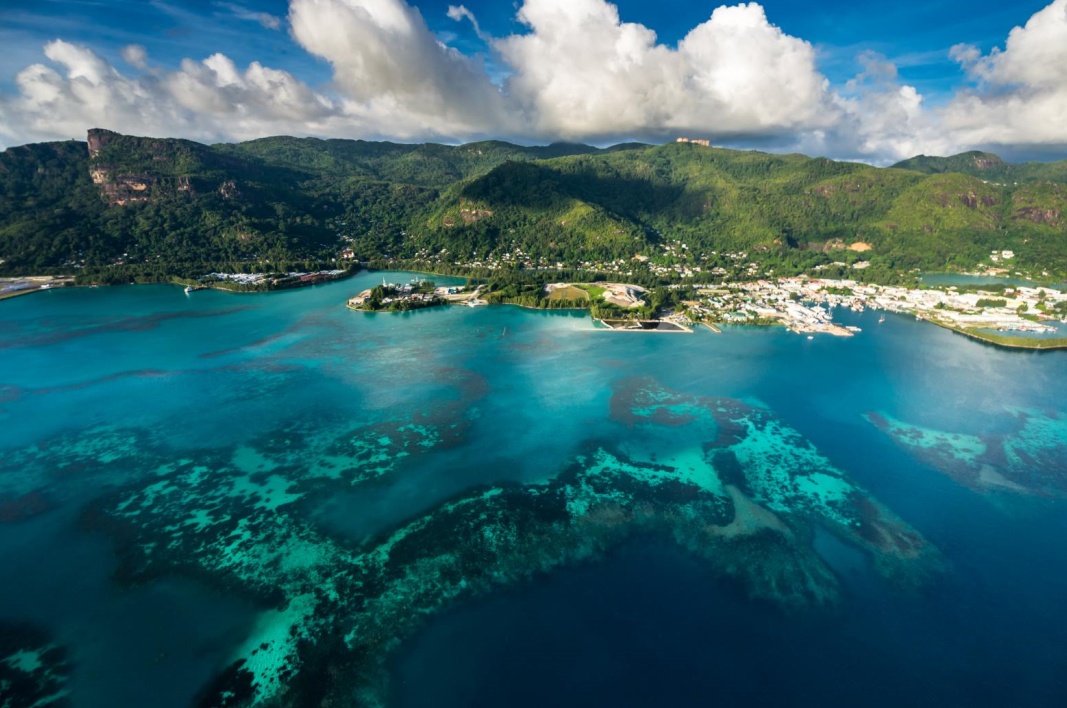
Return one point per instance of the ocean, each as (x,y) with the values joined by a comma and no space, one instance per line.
(223,499)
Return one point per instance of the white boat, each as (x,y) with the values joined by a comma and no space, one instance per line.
(881,319)
(188,289)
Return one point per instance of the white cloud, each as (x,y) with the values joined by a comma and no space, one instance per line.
(265,19)
(202,100)
(385,58)
(136,56)
(460,13)
(581,72)
(879,119)
(578,71)
(1021,92)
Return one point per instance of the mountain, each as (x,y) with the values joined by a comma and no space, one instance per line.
(783,206)
(989,167)
(120,207)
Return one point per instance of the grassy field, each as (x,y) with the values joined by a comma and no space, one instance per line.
(595,291)
(569,292)
(1007,340)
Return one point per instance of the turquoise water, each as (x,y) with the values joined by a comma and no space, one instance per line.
(223,499)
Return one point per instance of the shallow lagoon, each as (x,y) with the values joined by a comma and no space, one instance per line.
(746,516)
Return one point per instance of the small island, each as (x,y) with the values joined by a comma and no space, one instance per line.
(394,297)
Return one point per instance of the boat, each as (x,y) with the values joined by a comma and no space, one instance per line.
(881,319)
(811,336)
(188,289)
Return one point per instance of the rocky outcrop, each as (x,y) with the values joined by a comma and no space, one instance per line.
(972,200)
(119,189)
(99,139)
(229,190)
(1046,217)
(121,184)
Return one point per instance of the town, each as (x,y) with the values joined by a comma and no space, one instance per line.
(805,305)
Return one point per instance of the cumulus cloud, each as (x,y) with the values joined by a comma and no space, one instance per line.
(1020,97)
(879,119)
(203,100)
(582,72)
(577,71)
(136,56)
(386,58)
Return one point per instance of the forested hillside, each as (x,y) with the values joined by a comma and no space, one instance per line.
(989,167)
(119,207)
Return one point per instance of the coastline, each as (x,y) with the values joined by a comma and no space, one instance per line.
(1008,341)
(33,284)
(50,282)
(671,328)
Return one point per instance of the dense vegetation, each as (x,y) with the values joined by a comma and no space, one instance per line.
(987,166)
(143,208)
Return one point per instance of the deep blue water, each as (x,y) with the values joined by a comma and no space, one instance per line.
(102,389)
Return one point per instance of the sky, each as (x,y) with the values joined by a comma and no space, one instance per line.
(840,78)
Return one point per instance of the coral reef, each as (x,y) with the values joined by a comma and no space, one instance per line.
(724,479)
(33,668)
(1029,458)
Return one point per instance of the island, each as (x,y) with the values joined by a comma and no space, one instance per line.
(396,297)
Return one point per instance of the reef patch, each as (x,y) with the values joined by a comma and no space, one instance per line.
(1028,458)
(34,669)
(724,479)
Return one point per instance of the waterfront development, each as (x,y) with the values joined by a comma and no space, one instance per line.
(806,305)
(266,499)
(801,304)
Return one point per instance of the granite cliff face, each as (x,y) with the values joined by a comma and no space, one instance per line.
(98,139)
(113,157)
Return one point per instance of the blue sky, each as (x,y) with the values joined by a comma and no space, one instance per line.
(916,35)
(902,44)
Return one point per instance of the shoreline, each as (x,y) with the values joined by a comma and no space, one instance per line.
(34,284)
(675,328)
(56,282)
(1007,341)
(59,282)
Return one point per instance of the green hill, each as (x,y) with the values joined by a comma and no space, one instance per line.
(989,167)
(597,208)
(121,207)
